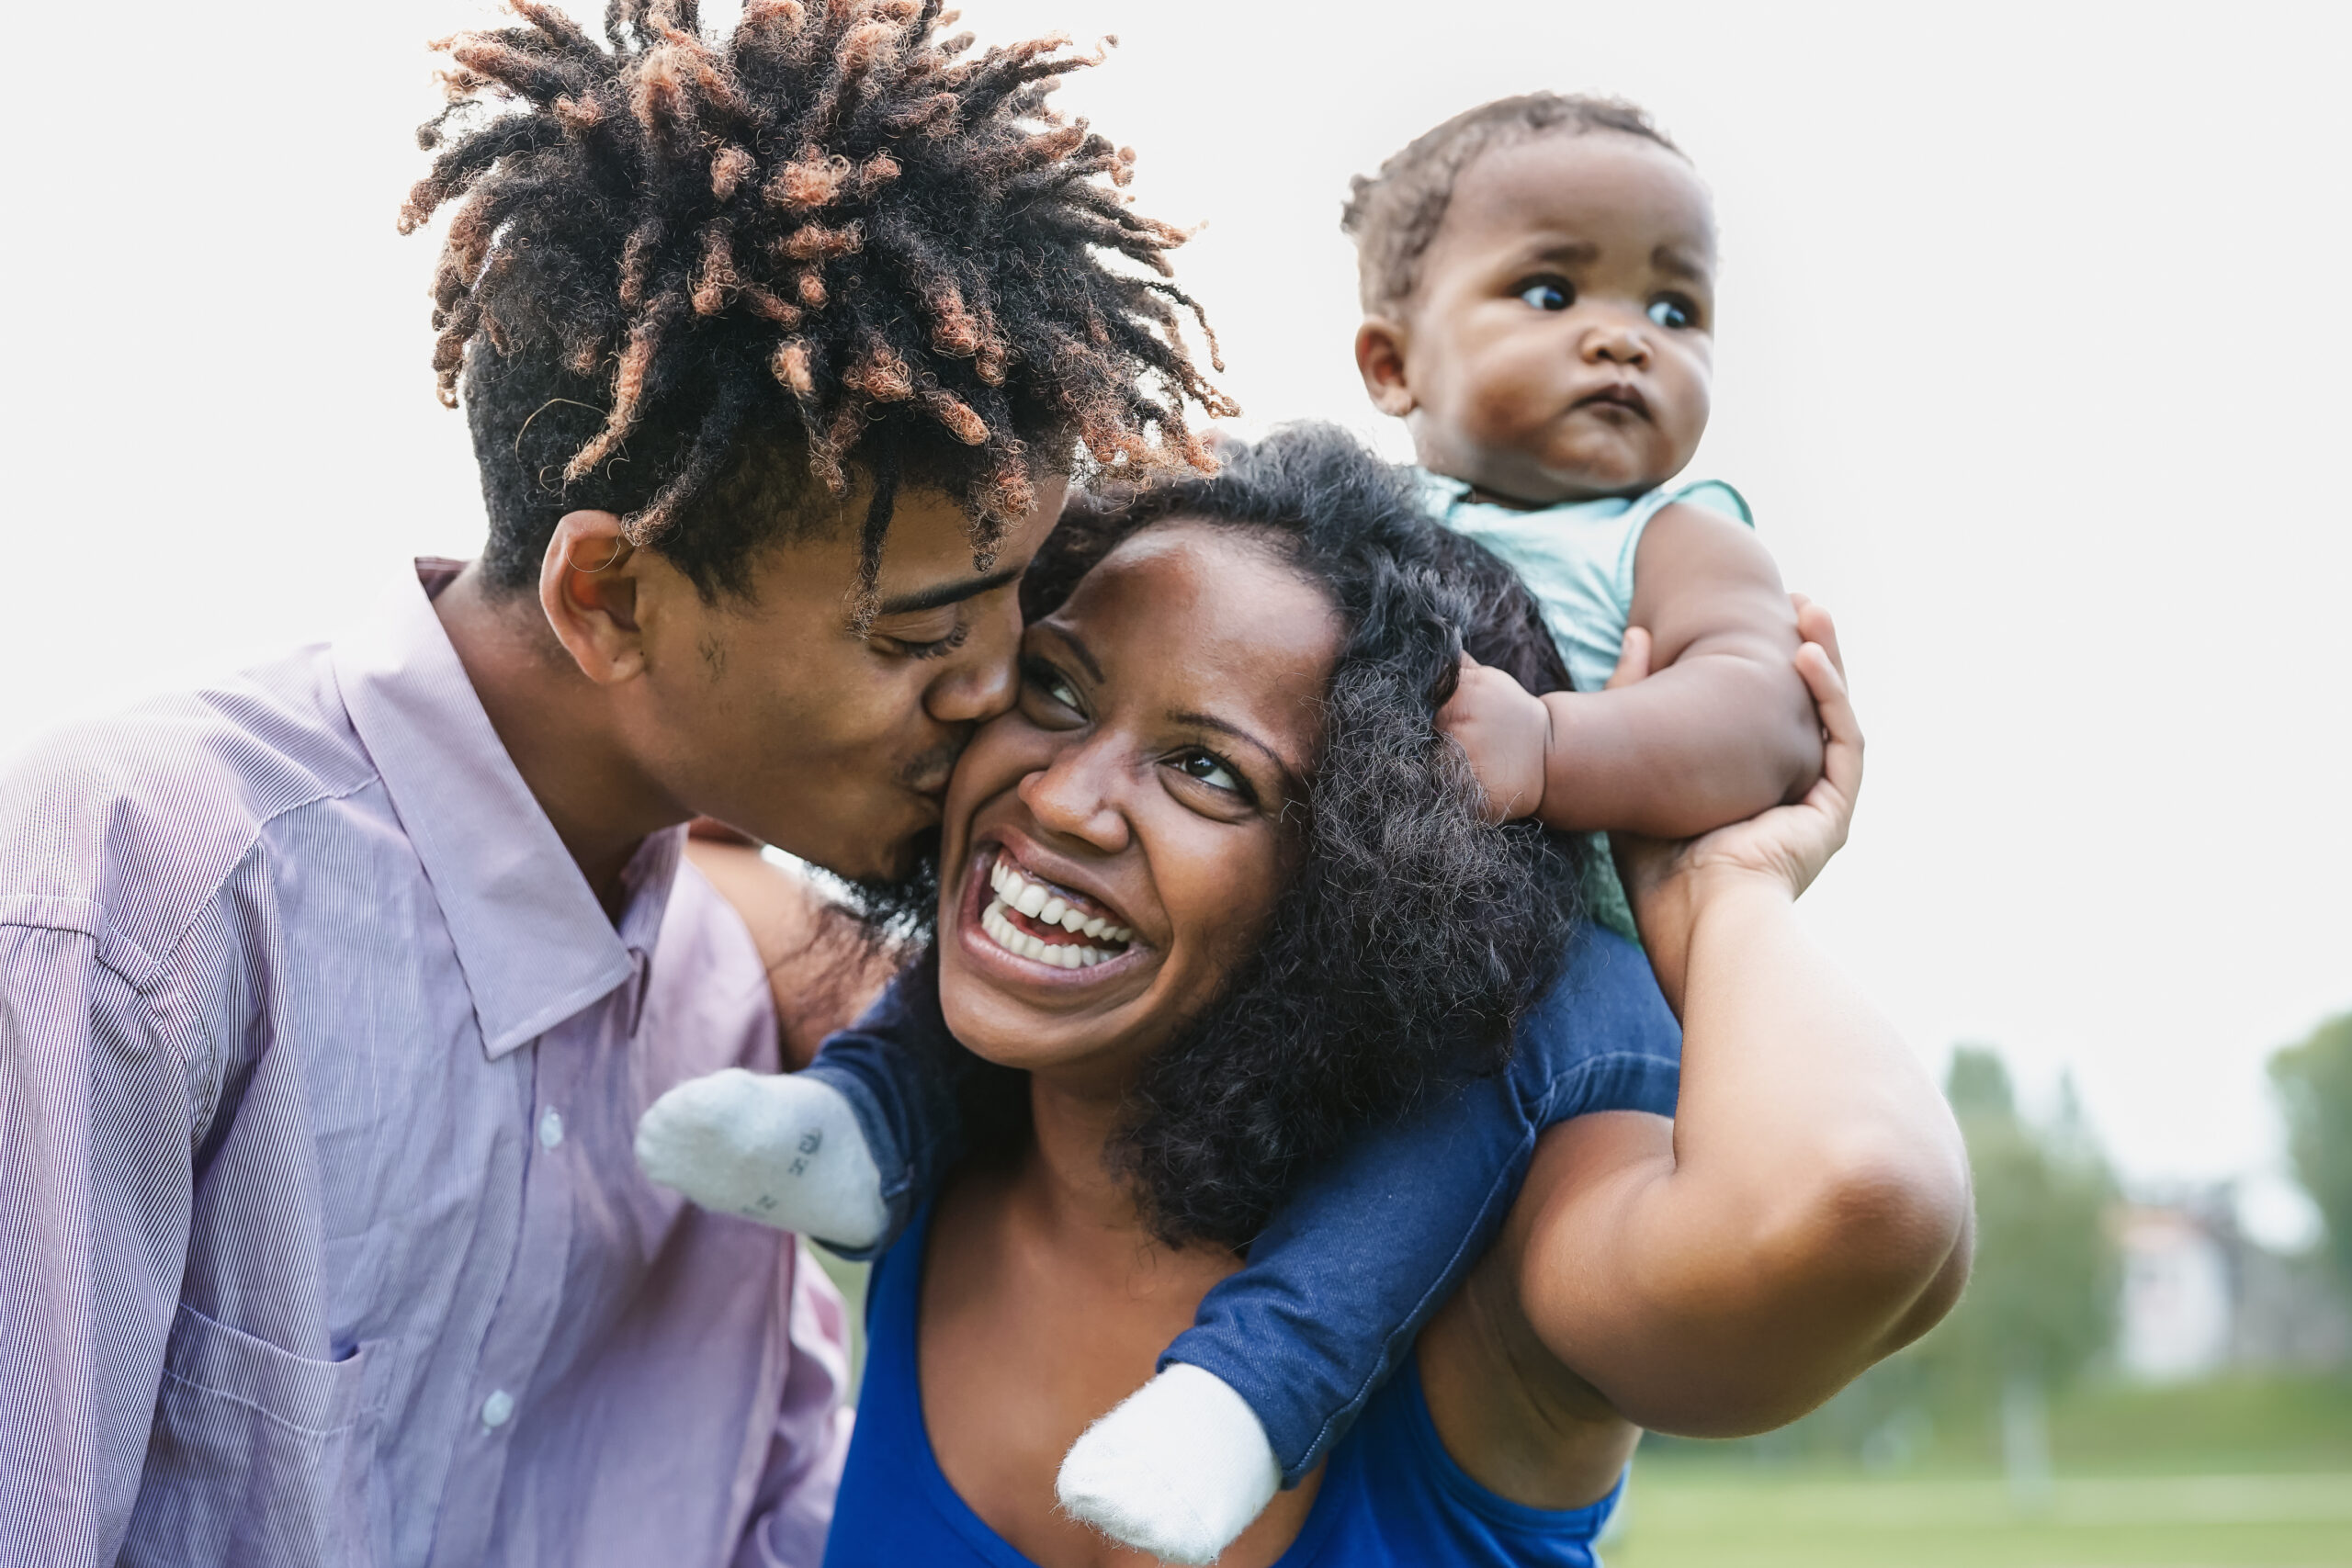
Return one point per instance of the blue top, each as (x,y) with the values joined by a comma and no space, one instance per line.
(1391,1497)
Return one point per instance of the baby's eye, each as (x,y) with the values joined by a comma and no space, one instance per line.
(1549,294)
(1670,313)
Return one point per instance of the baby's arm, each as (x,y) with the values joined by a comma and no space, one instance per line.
(1721,729)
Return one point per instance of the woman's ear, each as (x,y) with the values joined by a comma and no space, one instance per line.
(1380,359)
(588,585)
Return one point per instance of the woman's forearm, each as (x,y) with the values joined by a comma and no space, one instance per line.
(1813,1196)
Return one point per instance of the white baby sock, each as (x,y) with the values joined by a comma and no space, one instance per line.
(1179,1470)
(781,1149)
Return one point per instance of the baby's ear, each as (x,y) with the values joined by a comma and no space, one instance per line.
(1380,359)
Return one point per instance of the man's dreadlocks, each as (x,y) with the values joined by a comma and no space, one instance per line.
(686,276)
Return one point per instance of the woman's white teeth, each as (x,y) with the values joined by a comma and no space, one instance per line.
(1013,939)
(1015,891)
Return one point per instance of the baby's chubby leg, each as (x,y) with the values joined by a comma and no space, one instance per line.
(1285,1353)
(783,1149)
(1178,1469)
(839,1150)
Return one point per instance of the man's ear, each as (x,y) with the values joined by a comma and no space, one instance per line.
(588,585)
(1380,359)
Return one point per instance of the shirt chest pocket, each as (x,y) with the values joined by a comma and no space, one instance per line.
(260,1458)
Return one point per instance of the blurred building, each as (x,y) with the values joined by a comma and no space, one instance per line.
(2200,1297)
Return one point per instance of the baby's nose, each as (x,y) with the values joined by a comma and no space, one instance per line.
(1617,344)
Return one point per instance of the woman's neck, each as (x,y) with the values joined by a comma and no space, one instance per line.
(1067,1179)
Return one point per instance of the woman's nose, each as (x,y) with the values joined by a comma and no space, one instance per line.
(1075,797)
(982,678)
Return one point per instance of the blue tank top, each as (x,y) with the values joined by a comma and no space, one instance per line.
(1392,1497)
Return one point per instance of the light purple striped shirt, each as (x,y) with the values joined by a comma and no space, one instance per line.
(321,1241)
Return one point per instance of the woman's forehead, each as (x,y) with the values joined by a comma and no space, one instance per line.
(1214,616)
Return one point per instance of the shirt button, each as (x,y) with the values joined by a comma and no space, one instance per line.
(497,1409)
(551,1128)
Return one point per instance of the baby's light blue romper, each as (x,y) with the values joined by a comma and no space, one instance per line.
(1577,559)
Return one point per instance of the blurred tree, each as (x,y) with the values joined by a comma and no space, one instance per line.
(2314,1084)
(2040,1302)
(2040,1305)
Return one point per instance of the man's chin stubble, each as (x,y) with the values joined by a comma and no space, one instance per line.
(902,908)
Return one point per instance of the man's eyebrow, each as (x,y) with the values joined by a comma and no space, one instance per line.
(1676,263)
(947,592)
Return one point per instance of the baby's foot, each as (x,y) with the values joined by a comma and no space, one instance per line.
(784,1150)
(1179,1470)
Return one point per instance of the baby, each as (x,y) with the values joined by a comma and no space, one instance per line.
(1537,286)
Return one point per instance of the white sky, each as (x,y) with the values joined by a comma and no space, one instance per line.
(2030,360)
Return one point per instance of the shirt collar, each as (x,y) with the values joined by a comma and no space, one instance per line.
(534,942)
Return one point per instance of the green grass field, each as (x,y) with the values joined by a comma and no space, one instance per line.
(1684,1516)
(2239,1473)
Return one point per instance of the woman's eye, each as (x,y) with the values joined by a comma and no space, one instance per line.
(1051,684)
(1211,770)
(1672,313)
(1550,294)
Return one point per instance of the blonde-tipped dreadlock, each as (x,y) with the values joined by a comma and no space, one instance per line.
(832,237)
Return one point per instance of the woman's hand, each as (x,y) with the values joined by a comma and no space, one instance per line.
(1787,845)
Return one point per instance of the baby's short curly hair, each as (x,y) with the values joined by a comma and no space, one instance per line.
(691,279)
(1393,215)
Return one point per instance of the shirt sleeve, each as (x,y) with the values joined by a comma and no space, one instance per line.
(793,1507)
(95,1178)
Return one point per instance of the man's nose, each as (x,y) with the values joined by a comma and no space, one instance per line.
(983,677)
(1616,342)
(1075,797)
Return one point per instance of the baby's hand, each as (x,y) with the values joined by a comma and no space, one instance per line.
(1504,730)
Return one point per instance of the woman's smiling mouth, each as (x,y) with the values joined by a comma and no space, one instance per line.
(1047,924)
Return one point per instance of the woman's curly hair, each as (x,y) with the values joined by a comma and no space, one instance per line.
(690,279)
(1413,935)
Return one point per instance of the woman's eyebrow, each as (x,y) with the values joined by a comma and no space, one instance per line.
(1078,649)
(1223,726)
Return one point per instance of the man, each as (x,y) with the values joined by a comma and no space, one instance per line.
(333,993)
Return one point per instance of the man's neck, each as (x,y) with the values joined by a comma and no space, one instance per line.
(558,727)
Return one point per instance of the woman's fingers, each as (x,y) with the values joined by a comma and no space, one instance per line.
(1632,659)
(1841,761)
(1814,625)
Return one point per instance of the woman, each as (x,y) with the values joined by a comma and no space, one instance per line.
(1223,675)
